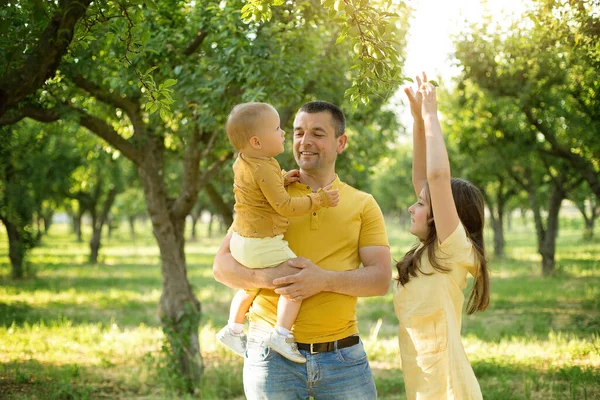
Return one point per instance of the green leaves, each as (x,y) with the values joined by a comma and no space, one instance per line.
(371,28)
(159,98)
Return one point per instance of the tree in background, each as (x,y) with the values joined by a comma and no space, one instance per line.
(547,65)
(515,114)
(392,183)
(95,185)
(35,164)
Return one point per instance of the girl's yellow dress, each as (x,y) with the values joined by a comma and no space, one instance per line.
(429,309)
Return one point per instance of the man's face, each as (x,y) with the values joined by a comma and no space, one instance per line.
(315,144)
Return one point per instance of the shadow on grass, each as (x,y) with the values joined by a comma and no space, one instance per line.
(150,379)
(516,382)
(513,381)
(125,294)
(32,379)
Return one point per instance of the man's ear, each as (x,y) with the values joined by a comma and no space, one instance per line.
(255,143)
(341,143)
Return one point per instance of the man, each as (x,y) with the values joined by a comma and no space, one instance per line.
(331,244)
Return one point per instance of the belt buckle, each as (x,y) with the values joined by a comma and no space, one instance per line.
(311,349)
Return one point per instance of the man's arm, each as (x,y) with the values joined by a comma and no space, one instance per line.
(372,280)
(233,274)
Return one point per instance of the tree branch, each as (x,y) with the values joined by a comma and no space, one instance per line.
(213,168)
(189,183)
(131,108)
(44,59)
(39,114)
(106,132)
(193,46)
(582,165)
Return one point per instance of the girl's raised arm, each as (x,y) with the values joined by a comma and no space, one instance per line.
(419,173)
(438,167)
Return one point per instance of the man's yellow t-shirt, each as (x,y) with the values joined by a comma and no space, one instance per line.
(330,238)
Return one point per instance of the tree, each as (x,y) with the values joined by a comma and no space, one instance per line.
(392,183)
(547,65)
(499,151)
(35,166)
(95,185)
(484,133)
(589,207)
(26,65)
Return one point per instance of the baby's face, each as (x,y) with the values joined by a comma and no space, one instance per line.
(271,135)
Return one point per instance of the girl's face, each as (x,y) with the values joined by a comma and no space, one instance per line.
(419,215)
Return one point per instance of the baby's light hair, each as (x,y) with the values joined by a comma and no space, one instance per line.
(243,122)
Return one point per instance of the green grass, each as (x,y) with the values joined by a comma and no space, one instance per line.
(74,330)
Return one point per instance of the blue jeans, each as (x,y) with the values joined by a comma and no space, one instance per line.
(341,374)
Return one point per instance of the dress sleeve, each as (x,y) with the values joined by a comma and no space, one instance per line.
(457,250)
(269,179)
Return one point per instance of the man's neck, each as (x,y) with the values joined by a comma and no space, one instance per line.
(317,181)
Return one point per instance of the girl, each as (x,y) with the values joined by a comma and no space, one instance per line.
(448,219)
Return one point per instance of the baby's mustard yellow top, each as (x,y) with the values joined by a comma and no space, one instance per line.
(429,309)
(330,238)
(261,200)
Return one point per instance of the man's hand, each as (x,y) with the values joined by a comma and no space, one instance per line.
(310,280)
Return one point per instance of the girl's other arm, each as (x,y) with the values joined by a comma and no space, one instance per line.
(419,172)
(438,167)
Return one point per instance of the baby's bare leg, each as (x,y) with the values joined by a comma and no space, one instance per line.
(287,312)
(239,306)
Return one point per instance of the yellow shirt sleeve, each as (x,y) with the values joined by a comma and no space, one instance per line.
(372,229)
(270,182)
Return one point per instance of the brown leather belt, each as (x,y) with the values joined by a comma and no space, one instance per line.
(329,346)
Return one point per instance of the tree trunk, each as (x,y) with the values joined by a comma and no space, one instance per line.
(194,222)
(496,211)
(132,226)
(47,218)
(589,221)
(95,241)
(223,209)
(498,237)
(547,236)
(210,225)
(179,309)
(38,224)
(98,222)
(77,225)
(16,249)
(588,231)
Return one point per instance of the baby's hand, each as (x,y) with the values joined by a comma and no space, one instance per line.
(292,176)
(333,195)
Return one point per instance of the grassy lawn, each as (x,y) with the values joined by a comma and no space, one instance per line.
(80,331)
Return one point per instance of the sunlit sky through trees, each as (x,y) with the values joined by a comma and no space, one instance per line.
(433,24)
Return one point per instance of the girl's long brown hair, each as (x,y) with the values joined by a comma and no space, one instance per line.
(470,208)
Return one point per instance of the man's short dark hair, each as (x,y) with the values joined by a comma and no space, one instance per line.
(317,106)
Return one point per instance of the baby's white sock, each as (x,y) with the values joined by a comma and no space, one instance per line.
(236,328)
(282,331)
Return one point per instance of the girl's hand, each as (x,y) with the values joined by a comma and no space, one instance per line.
(416,99)
(429,100)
